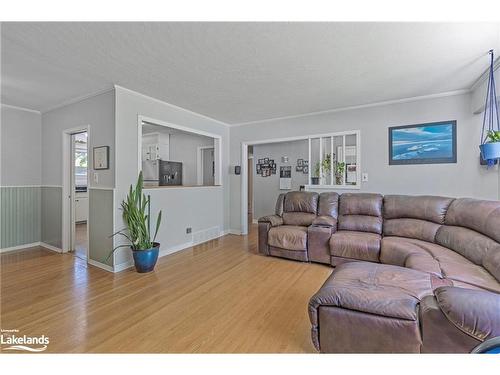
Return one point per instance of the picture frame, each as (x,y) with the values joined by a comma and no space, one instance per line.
(299,168)
(100,157)
(300,162)
(427,143)
(261,161)
(305,169)
(266,160)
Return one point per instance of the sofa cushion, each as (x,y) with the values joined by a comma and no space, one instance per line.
(428,208)
(298,218)
(328,204)
(360,212)
(469,243)
(288,237)
(301,201)
(411,228)
(356,245)
(479,215)
(437,260)
(492,263)
(469,273)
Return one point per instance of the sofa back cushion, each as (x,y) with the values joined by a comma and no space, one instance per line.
(417,217)
(300,208)
(479,215)
(329,205)
(472,229)
(360,212)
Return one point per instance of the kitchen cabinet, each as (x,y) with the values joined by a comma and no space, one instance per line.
(81,207)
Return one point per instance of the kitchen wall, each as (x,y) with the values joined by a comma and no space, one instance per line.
(204,209)
(20,177)
(465,178)
(98,113)
(266,189)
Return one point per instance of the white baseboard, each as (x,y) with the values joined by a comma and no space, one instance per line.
(100,265)
(168,251)
(50,247)
(236,232)
(14,248)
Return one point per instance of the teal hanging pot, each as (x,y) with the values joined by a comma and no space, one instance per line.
(490,151)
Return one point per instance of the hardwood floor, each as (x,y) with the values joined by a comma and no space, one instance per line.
(81,240)
(218,297)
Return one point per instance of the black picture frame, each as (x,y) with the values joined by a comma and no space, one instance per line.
(105,164)
(441,160)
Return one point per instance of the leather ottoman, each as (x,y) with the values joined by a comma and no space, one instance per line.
(369,308)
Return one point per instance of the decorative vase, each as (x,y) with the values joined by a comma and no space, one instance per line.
(145,260)
(490,151)
(315,180)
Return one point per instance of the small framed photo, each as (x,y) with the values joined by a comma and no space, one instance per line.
(101,157)
(300,162)
(257,168)
(261,161)
(266,160)
(305,163)
(305,169)
(299,168)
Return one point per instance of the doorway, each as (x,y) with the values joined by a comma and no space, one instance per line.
(250,185)
(206,165)
(79,189)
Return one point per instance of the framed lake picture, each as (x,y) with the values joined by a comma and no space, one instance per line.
(430,143)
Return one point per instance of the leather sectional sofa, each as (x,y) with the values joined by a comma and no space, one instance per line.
(413,274)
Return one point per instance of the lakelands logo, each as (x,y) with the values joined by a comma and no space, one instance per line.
(11,340)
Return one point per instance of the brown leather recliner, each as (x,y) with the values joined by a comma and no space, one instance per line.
(286,233)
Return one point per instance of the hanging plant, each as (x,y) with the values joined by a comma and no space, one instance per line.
(490,136)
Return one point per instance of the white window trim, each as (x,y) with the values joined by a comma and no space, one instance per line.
(244,168)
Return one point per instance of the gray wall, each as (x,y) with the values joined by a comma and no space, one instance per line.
(20,134)
(465,178)
(20,178)
(184,148)
(97,112)
(198,207)
(266,189)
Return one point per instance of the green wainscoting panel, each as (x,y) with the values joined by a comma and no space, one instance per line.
(52,215)
(100,225)
(20,215)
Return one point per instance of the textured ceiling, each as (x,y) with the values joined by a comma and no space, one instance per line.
(241,72)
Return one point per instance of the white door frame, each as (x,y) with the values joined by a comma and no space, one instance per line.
(199,162)
(68,193)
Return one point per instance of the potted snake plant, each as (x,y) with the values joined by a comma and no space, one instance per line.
(137,217)
(491,149)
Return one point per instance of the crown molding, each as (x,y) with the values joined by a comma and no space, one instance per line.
(350,108)
(77,99)
(20,108)
(172,105)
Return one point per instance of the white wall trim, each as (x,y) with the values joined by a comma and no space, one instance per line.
(484,76)
(20,186)
(50,247)
(100,265)
(361,106)
(199,162)
(21,108)
(99,188)
(77,99)
(172,105)
(19,247)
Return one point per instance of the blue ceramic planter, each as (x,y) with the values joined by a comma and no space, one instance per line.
(145,260)
(490,151)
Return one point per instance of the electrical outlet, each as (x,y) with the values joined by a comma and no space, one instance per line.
(364,177)
(188,230)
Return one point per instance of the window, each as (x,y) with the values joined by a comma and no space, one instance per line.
(176,156)
(335,160)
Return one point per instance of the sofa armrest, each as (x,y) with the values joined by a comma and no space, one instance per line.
(325,221)
(474,312)
(274,220)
